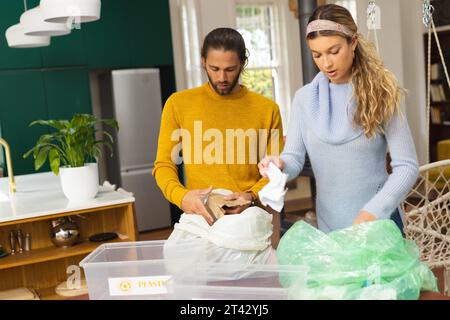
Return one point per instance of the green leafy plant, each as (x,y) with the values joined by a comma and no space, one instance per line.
(73,143)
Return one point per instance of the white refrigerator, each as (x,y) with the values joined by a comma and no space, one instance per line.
(133,98)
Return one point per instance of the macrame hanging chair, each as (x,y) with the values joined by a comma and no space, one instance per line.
(427,207)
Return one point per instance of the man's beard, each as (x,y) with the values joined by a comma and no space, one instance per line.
(230,85)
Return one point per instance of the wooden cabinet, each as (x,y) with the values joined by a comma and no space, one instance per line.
(45,266)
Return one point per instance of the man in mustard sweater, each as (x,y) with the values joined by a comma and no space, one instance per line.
(221,129)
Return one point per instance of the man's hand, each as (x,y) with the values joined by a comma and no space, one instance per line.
(194,202)
(364,216)
(263,165)
(235,196)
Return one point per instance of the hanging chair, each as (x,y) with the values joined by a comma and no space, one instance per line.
(427,216)
(427,207)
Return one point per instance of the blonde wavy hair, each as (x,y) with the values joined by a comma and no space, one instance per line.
(376,89)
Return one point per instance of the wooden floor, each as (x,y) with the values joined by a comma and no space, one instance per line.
(160,234)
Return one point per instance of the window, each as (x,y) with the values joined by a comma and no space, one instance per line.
(350,5)
(264,27)
(257,24)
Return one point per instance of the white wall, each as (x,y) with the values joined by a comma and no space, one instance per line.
(177,45)
(210,14)
(401,48)
(389,36)
(216,13)
(414,72)
(293,54)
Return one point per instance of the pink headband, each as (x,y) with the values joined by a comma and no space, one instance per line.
(327,25)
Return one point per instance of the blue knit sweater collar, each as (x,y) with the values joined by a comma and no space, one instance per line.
(331,119)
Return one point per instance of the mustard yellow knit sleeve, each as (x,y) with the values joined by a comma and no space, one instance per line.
(165,170)
(276,134)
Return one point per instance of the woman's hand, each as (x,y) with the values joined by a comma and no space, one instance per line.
(364,216)
(194,203)
(248,196)
(263,165)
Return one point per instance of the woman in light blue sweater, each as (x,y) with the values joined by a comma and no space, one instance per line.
(347,119)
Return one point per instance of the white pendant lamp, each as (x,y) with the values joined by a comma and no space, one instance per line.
(16,38)
(33,24)
(77,10)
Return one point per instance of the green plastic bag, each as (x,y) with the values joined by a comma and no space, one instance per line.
(366,261)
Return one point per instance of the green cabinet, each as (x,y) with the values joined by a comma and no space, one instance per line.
(129,34)
(68,50)
(108,41)
(150,35)
(67,92)
(53,82)
(33,95)
(22,101)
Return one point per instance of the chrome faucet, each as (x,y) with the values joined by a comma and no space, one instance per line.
(12,182)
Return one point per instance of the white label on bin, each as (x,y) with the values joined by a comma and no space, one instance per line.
(138,285)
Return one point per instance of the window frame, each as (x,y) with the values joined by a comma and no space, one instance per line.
(282,85)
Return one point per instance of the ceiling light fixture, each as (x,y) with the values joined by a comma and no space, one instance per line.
(78,10)
(16,37)
(33,24)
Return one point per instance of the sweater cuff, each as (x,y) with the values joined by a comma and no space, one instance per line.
(255,194)
(380,209)
(178,194)
(290,166)
(258,187)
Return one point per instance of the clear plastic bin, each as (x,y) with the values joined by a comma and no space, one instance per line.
(140,270)
(216,281)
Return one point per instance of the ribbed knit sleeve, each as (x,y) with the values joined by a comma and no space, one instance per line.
(294,151)
(405,169)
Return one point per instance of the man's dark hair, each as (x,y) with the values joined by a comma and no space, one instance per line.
(227,39)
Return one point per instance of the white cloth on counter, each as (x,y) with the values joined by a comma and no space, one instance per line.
(273,193)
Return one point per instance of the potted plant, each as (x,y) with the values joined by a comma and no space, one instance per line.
(72,151)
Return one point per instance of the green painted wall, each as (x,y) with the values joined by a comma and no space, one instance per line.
(53,82)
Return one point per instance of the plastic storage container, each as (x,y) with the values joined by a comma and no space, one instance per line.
(140,270)
(240,282)
(178,270)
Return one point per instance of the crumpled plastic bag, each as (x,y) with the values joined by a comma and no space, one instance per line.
(366,261)
(239,239)
(249,230)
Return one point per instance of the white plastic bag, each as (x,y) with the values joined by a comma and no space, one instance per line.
(243,238)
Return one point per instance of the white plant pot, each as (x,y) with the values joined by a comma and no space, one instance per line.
(81,183)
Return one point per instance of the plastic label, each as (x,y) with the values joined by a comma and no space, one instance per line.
(138,285)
